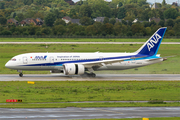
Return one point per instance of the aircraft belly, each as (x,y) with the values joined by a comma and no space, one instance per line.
(35,68)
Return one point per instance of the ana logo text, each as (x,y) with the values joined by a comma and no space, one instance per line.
(154,40)
(41,57)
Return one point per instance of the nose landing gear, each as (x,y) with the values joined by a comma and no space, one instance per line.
(20,73)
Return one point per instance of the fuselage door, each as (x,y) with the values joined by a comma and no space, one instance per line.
(25,60)
(51,59)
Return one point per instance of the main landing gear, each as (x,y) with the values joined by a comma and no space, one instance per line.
(93,75)
(20,73)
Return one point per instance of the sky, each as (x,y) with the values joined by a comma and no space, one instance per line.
(152,1)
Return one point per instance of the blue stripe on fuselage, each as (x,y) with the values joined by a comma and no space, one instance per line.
(91,60)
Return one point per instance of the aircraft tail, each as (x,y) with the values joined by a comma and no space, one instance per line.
(152,45)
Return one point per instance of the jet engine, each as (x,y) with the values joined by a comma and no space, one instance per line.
(73,69)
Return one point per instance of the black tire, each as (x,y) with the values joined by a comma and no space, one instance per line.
(20,75)
(93,75)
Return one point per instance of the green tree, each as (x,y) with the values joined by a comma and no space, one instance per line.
(117,29)
(85,21)
(152,23)
(106,20)
(58,14)
(59,30)
(114,12)
(16,18)
(38,33)
(49,19)
(32,30)
(72,13)
(101,10)
(120,4)
(148,30)
(60,22)
(85,10)
(171,13)
(20,17)
(112,21)
(121,13)
(138,28)
(80,2)
(1,28)
(164,2)
(30,13)
(27,2)
(3,20)
(176,28)
(124,22)
(2,5)
(161,23)
(90,30)
(107,29)
(98,26)
(170,33)
(142,2)
(169,22)
(177,21)
(46,31)
(6,32)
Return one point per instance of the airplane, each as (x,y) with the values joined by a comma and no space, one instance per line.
(87,63)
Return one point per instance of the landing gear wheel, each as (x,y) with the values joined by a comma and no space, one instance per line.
(93,75)
(20,74)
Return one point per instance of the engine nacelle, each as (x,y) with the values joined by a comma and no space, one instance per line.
(73,69)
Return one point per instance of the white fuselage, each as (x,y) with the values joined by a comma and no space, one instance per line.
(55,61)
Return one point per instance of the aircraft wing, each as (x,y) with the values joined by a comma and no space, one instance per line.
(101,63)
(106,62)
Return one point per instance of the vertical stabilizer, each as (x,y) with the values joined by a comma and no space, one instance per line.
(152,45)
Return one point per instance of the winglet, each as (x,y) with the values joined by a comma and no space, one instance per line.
(152,45)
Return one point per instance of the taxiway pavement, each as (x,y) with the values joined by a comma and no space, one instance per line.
(83,42)
(88,113)
(99,77)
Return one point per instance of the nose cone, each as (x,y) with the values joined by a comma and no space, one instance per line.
(7,65)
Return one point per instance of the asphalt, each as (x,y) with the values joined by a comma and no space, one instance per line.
(87,113)
(99,77)
(83,42)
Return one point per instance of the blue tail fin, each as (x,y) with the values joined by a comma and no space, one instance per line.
(152,45)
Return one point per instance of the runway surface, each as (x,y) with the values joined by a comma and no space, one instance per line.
(88,113)
(83,42)
(99,77)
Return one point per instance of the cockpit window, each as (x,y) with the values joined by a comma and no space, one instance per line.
(14,59)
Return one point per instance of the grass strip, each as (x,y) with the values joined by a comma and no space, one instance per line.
(86,105)
(69,91)
(171,66)
(82,40)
